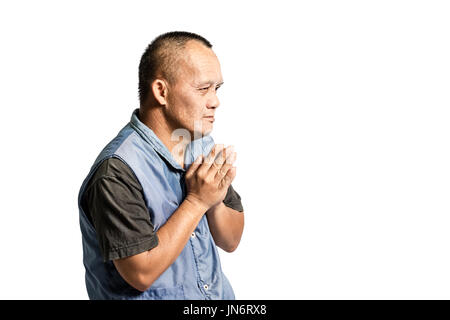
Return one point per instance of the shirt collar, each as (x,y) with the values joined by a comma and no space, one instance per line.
(149,136)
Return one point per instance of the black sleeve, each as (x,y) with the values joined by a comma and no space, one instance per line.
(115,204)
(233,200)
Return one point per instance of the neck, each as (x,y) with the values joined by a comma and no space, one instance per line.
(155,120)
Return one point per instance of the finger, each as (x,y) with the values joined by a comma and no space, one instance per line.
(231,156)
(227,153)
(194,166)
(221,159)
(228,178)
(212,155)
(226,166)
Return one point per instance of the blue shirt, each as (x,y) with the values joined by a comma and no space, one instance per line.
(197,272)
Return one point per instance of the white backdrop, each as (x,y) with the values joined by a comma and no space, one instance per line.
(339,112)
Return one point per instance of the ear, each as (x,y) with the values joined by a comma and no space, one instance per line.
(159,89)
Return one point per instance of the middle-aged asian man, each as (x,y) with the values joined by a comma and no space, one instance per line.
(153,207)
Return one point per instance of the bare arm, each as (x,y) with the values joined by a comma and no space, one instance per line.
(226,226)
(205,188)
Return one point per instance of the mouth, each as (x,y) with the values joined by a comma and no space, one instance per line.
(210,118)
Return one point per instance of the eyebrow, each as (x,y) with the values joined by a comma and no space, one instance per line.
(210,83)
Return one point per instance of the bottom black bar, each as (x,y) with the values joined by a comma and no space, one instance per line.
(237,309)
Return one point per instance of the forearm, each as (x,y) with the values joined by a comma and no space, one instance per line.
(143,269)
(226,226)
(174,235)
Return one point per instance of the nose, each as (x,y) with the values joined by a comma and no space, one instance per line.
(213,101)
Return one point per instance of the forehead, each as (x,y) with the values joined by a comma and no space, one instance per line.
(200,64)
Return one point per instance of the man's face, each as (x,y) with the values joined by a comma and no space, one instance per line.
(192,99)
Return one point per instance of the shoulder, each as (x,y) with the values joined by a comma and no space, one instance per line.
(116,169)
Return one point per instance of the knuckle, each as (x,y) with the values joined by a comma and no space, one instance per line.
(201,172)
(220,160)
(202,178)
(208,179)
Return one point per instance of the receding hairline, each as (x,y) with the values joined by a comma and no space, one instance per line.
(173,53)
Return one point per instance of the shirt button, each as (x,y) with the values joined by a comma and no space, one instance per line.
(205,287)
(193,235)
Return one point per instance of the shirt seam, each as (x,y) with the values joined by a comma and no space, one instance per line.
(115,252)
(134,244)
(96,180)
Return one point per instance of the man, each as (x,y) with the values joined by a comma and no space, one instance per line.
(152,208)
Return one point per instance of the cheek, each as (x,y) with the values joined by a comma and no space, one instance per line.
(190,107)
(195,108)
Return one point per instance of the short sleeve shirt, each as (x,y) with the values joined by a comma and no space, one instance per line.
(115,205)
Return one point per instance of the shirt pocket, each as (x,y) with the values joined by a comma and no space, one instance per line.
(171,293)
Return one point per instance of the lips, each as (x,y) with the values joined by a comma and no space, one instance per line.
(210,118)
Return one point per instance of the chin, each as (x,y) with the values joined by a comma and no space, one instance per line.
(201,128)
(208,129)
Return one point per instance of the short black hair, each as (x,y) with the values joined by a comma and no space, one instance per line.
(159,59)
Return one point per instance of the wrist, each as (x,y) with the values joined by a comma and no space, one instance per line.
(197,203)
(215,208)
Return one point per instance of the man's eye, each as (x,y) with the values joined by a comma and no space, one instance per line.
(204,89)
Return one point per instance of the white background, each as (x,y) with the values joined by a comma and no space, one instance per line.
(339,112)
